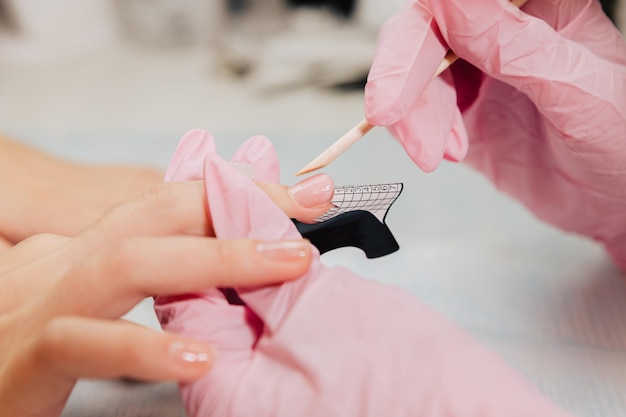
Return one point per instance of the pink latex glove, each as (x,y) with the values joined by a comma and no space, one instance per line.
(330,343)
(540,98)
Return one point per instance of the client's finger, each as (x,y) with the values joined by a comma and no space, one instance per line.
(180,208)
(111,282)
(80,347)
(164,209)
(304,201)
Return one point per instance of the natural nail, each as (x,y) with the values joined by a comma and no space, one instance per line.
(312,192)
(284,250)
(190,352)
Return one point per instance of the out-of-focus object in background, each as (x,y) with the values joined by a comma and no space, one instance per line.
(43,31)
(610,8)
(305,46)
(343,8)
(373,13)
(619,16)
(8,22)
(172,23)
(280,45)
(250,24)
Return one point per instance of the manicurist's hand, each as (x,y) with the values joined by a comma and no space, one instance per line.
(538,103)
(62,297)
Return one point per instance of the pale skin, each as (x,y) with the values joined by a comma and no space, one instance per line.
(53,195)
(63,296)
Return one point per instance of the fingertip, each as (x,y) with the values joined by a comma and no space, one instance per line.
(381,109)
(80,347)
(283,260)
(304,201)
(428,166)
(285,251)
(249,263)
(313,192)
(189,359)
(259,153)
(186,162)
(419,152)
(458,142)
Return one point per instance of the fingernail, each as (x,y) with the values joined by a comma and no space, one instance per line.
(313,192)
(284,250)
(190,352)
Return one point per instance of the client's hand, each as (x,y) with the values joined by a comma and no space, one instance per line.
(329,343)
(62,297)
(42,193)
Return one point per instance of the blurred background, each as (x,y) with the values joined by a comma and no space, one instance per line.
(109,81)
(98,71)
(84,70)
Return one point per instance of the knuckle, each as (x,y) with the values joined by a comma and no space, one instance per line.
(157,194)
(155,197)
(52,338)
(231,258)
(43,241)
(113,269)
(119,260)
(177,202)
(161,197)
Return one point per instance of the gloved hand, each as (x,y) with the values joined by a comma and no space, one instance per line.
(329,343)
(540,98)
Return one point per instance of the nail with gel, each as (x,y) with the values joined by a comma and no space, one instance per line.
(190,352)
(284,250)
(314,191)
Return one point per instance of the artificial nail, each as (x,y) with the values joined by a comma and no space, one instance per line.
(190,352)
(312,192)
(284,250)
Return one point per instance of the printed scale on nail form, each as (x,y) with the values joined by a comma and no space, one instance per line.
(358,219)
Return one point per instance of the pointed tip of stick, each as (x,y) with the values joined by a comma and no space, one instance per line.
(310,167)
(337,148)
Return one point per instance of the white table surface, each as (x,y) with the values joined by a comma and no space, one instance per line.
(551,303)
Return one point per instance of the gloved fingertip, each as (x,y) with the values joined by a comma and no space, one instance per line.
(380,109)
(428,165)
(426,155)
(425,162)
(186,163)
(259,153)
(458,142)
